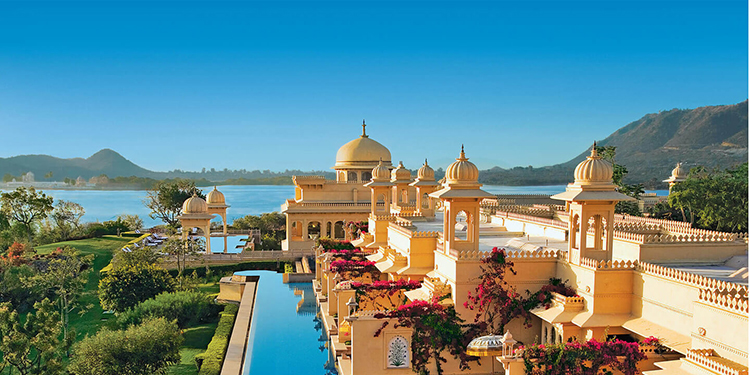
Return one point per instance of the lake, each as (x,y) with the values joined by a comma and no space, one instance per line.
(102,205)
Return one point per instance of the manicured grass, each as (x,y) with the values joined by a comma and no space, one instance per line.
(102,248)
(196,341)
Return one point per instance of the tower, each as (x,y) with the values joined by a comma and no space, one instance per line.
(380,202)
(400,178)
(592,199)
(679,174)
(425,184)
(461,196)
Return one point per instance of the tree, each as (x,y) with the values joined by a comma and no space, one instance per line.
(8,177)
(133,222)
(183,251)
(67,216)
(618,174)
(25,206)
(125,287)
(65,278)
(148,348)
(31,346)
(714,200)
(166,199)
(48,175)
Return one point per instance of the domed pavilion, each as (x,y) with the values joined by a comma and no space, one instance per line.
(195,215)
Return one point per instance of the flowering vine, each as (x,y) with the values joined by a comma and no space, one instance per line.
(331,244)
(496,303)
(357,227)
(354,266)
(582,359)
(435,329)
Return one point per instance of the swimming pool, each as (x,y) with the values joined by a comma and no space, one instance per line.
(286,337)
(217,244)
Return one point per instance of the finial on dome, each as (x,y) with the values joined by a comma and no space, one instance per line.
(364,135)
(214,187)
(462,157)
(425,161)
(594,154)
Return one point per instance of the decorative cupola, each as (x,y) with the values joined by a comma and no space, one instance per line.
(679,174)
(592,198)
(356,158)
(195,215)
(461,195)
(425,184)
(401,196)
(380,202)
(218,205)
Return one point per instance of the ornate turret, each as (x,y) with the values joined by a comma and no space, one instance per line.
(400,174)
(215,197)
(426,173)
(425,184)
(679,174)
(462,171)
(594,170)
(194,205)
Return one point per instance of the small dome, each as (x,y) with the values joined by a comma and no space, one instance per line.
(593,169)
(381,172)
(215,197)
(679,172)
(426,173)
(362,152)
(400,173)
(194,205)
(486,346)
(462,170)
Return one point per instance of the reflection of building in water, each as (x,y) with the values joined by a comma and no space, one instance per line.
(306,305)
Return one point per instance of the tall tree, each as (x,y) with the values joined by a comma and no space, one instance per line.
(26,206)
(618,174)
(166,199)
(65,278)
(183,251)
(31,346)
(67,216)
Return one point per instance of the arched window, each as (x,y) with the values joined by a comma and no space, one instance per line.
(462,226)
(380,203)
(366,176)
(425,201)
(398,353)
(313,230)
(338,230)
(352,176)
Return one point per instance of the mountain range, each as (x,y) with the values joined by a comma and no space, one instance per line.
(712,136)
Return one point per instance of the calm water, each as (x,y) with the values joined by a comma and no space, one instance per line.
(282,339)
(102,205)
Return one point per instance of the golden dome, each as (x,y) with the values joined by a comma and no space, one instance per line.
(362,153)
(194,205)
(215,197)
(593,169)
(400,174)
(426,173)
(381,172)
(679,172)
(462,170)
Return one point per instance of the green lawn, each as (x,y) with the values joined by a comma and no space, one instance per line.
(196,341)
(102,248)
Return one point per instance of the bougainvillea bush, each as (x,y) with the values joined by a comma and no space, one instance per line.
(588,358)
(435,329)
(497,303)
(383,295)
(354,267)
(357,227)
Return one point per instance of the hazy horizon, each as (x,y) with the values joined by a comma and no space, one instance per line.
(281,85)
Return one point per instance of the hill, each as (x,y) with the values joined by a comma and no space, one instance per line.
(712,136)
(105,161)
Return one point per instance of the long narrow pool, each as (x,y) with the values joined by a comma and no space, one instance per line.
(286,336)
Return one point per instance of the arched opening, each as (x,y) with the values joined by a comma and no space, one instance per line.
(380,203)
(404,196)
(576,229)
(313,230)
(366,176)
(595,223)
(462,226)
(328,229)
(352,176)
(296,230)
(425,201)
(338,230)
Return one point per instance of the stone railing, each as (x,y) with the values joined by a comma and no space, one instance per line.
(425,234)
(692,279)
(671,238)
(567,303)
(732,301)
(536,254)
(670,225)
(308,179)
(637,227)
(385,217)
(533,219)
(705,358)
(369,313)
(333,204)
(615,265)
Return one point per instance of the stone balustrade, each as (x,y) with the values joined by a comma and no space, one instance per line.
(706,359)
(690,278)
(533,219)
(732,301)
(604,265)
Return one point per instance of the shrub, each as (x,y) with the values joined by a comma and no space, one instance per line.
(187,308)
(210,361)
(228,268)
(123,288)
(148,348)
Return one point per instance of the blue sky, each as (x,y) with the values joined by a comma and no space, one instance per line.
(281,85)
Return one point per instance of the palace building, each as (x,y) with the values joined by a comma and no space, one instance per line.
(633,277)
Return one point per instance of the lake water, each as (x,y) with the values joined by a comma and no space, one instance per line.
(102,205)
(285,337)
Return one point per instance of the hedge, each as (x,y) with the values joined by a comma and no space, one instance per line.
(227,268)
(210,361)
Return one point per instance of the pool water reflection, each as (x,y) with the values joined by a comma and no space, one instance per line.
(286,336)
